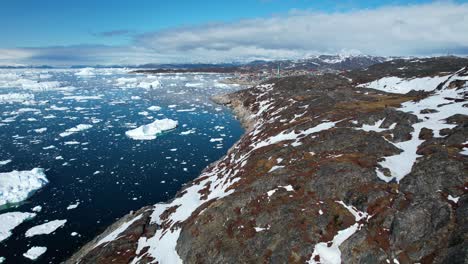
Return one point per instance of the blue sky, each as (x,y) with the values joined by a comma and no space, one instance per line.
(142,27)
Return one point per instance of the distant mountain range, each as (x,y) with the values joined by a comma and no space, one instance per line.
(338,62)
(319,62)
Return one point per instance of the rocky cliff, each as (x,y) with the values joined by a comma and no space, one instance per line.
(369,166)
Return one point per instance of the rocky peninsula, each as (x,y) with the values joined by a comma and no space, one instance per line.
(361,166)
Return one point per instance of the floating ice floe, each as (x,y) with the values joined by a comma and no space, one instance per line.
(58,108)
(46,228)
(15,97)
(4,162)
(28,82)
(73,206)
(154,108)
(188,132)
(402,86)
(11,220)
(35,252)
(187,110)
(147,83)
(78,128)
(73,142)
(17,186)
(40,130)
(83,97)
(37,209)
(86,72)
(39,86)
(150,131)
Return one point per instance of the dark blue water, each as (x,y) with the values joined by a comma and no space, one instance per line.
(108,173)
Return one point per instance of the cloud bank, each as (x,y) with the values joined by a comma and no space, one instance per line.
(428,29)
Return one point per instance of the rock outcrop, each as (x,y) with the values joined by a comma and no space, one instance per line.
(328,171)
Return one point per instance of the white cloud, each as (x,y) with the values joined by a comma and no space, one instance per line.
(402,30)
(436,28)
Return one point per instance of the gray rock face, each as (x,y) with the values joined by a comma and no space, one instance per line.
(306,170)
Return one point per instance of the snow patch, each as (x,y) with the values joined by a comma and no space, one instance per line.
(402,86)
(115,234)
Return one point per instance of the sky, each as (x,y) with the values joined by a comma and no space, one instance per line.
(58,32)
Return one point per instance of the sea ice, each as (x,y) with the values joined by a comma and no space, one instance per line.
(86,72)
(15,97)
(11,220)
(17,186)
(35,252)
(82,97)
(46,228)
(154,108)
(150,131)
(4,162)
(78,128)
(73,206)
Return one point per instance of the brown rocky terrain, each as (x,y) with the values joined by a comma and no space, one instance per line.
(313,180)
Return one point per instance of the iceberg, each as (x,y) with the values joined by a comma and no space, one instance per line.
(4,162)
(149,132)
(10,221)
(78,128)
(35,252)
(154,108)
(86,72)
(46,228)
(16,97)
(17,186)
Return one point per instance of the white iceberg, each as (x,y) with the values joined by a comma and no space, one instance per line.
(4,162)
(73,206)
(82,97)
(10,221)
(17,186)
(46,228)
(78,128)
(40,130)
(149,132)
(86,72)
(35,252)
(154,108)
(15,97)
(150,85)
(39,86)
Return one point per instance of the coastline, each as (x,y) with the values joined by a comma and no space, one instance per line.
(311,159)
(143,225)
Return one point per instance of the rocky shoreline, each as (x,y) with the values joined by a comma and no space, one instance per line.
(332,168)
